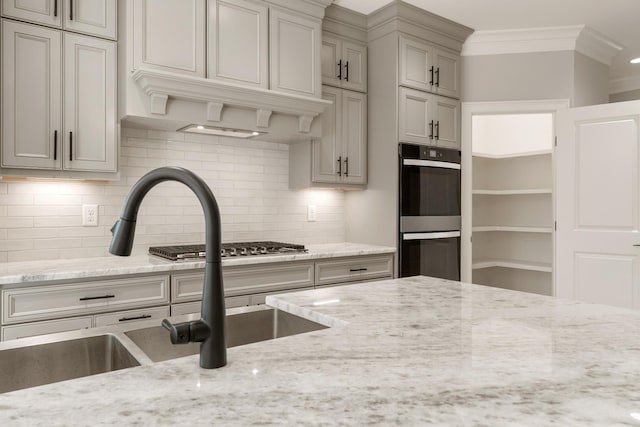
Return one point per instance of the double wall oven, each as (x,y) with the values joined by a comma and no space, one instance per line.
(429,208)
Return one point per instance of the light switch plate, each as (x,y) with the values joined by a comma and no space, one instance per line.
(89,215)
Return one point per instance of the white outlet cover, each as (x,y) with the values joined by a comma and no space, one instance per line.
(90,215)
(312,212)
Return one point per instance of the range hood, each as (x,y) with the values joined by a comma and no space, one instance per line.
(161,99)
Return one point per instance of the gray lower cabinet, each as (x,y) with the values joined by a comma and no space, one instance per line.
(45,308)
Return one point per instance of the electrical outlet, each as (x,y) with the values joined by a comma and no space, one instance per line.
(311,212)
(89,215)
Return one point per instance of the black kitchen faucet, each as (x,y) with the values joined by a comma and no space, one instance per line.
(209,330)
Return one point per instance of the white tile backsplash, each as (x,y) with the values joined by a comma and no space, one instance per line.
(42,220)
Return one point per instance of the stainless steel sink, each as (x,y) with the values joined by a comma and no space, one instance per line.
(49,362)
(243,326)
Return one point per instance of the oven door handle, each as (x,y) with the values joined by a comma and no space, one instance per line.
(430,236)
(430,163)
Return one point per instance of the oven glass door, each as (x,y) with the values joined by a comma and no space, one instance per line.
(431,254)
(429,188)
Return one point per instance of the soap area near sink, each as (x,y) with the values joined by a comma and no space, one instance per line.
(47,359)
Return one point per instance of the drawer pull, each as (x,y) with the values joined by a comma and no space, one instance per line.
(354,270)
(101,297)
(126,319)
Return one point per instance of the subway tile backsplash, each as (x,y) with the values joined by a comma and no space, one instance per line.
(42,220)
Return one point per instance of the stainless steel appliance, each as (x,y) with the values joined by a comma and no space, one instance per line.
(429,208)
(190,252)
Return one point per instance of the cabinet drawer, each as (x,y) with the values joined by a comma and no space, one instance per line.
(49,302)
(48,327)
(131,316)
(195,306)
(353,269)
(245,280)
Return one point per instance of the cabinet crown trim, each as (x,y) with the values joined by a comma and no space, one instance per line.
(157,84)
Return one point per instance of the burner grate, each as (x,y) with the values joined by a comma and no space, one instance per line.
(197,251)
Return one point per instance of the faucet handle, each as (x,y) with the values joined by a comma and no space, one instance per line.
(185,332)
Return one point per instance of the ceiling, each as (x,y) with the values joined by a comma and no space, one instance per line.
(615,19)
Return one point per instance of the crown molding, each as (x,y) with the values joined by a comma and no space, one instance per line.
(624,84)
(579,38)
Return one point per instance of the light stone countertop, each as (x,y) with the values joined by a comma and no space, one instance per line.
(412,351)
(69,269)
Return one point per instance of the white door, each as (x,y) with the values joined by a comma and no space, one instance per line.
(238,42)
(31,96)
(47,12)
(598,195)
(96,17)
(90,137)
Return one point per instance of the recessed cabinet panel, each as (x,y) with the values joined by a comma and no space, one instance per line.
(90,104)
(294,53)
(238,42)
(414,117)
(447,80)
(355,67)
(47,12)
(415,64)
(170,35)
(331,68)
(31,96)
(354,137)
(447,124)
(326,157)
(97,17)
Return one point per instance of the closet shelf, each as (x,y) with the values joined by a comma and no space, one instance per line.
(512,191)
(510,263)
(516,229)
(513,155)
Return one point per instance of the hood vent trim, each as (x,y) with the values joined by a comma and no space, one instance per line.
(161,86)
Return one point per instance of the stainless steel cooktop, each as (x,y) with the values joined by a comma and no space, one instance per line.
(197,251)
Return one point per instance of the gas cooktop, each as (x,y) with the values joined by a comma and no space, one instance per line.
(184,252)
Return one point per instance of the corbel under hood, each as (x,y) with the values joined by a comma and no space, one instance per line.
(172,100)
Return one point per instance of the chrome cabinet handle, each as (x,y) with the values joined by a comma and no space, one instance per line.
(346,166)
(340,166)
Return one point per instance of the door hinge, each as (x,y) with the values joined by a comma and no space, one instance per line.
(556,141)
(555,225)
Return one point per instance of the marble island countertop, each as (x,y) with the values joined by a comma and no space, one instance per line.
(412,351)
(70,269)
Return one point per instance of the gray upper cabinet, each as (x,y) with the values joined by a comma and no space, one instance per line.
(170,36)
(94,17)
(44,126)
(425,67)
(238,42)
(295,45)
(344,63)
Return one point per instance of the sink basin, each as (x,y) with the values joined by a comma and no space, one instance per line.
(49,362)
(251,324)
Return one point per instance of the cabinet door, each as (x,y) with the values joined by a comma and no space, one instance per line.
(169,35)
(447,77)
(238,42)
(354,71)
(331,57)
(294,49)
(96,17)
(47,12)
(48,327)
(326,156)
(31,96)
(447,122)
(416,68)
(414,118)
(90,137)
(354,137)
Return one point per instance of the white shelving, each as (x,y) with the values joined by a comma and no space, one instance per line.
(512,207)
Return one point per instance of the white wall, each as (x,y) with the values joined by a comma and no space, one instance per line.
(42,220)
(591,84)
(508,134)
(631,95)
